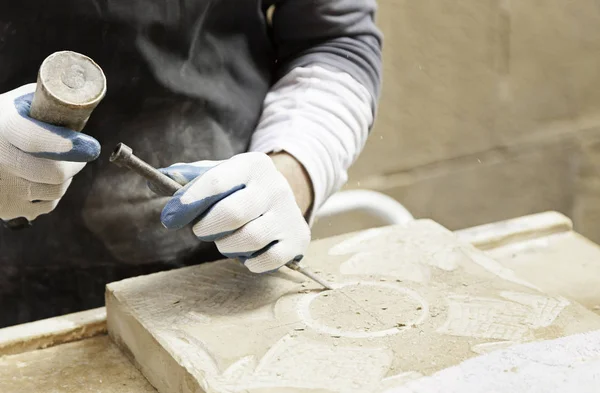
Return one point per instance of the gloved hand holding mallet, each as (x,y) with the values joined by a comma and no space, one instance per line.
(41,148)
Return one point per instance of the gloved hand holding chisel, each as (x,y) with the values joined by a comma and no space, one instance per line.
(245,205)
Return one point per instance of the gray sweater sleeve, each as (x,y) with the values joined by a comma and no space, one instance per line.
(338,34)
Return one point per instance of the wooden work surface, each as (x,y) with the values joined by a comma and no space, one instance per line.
(92,363)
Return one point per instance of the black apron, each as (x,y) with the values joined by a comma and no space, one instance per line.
(186,81)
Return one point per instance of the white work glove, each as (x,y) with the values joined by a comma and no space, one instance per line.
(37,160)
(245,205)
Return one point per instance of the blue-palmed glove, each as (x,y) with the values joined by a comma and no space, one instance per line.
(37,160)
(243,204)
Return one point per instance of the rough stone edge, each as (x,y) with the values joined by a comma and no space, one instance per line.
(121,326)
(501,233)
(49,332)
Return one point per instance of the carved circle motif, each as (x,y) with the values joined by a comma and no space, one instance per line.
(363,310)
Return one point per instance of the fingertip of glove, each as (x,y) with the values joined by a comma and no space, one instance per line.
(256,269)
(169,217)
(85,149)
(175,214)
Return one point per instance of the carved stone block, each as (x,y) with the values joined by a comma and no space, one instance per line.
(408,301)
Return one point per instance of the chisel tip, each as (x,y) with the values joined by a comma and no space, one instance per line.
(300,269)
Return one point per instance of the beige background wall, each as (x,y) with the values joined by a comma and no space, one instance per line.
(490,110)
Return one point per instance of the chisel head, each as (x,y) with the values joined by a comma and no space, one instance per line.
(123,157)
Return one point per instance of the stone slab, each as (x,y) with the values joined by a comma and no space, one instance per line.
(565,263)
(52,331)
(564,365)
(502,233)
(409,301)
(91,365)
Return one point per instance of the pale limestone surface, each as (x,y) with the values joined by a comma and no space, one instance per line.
(52,331)
(577,277)
(564,365)
(409,301)
(501,233)
(93,365)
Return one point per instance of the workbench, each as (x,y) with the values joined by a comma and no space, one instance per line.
(73,353)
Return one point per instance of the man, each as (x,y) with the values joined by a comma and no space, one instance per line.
(258,107)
